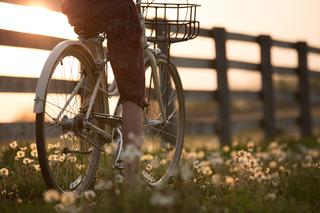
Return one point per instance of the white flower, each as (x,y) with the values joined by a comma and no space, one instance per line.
(119,178)
(108,150)
(4,172)
(20,154)
(226,149)
(34,153)
(51,196)
(13,144)
(273,164)
(271,196)
(33,146)
(200,155)
(147,157)
(148,167)
(216,179)
(103,185)
(229,180)
(23,148)
(80,166)
(206,171)
(68,198)
(67,209)
(89,195)
(130,154)
(186,172)
(27,161)
(192,156)
(158,199)
(36,167)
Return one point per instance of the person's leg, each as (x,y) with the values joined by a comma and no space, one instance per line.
(132,120)
(127,60)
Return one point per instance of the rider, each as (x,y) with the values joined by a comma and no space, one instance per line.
(119,19)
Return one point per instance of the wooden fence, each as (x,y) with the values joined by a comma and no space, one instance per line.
(226,123)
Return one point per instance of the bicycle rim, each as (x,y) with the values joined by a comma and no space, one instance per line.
(163,139)
(68,161)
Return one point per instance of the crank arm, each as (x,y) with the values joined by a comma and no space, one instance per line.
(89,142)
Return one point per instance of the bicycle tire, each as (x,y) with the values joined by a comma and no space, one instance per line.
(180,122)
(78,180)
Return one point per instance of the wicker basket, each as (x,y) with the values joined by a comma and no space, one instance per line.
(169,22)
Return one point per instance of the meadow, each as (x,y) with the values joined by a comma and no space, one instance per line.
(282,175)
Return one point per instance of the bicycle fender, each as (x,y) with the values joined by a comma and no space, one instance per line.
(47,71)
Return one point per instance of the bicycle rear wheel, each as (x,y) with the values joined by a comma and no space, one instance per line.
(68,152)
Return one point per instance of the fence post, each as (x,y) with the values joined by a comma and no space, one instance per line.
(303,95)
(223,93)
(267,89)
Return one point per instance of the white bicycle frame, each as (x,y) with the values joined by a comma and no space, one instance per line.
(95,51)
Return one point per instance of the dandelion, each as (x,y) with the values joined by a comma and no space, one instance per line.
(273,145)
(226,149)
(36,167)
(229,181)
(235,143)
(62,158)
(53,158)
(13,144)
(148,167)
(108,150)
(147,157)
(89,195)
(158,199)
(192,156)
(33,146)
(273,164)
(80,166)
(51,196)
(23,148)
(270,196)
(19,200)
(34,153)
(4,172)
(27,161)
(20,154)
(215,159)
(186,172)
(206,171)
(200,155)
(51,146)
(163,162)
(71,208)
(131,153)
(216,179)
(72,159)
(119,178)
(250,146)
(68,198)
(103,185)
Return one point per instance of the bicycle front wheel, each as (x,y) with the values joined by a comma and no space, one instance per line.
(164,123)
(68,152)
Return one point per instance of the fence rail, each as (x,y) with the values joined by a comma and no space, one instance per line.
(224,121)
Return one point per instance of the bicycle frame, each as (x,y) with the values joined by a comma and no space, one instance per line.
(96,50)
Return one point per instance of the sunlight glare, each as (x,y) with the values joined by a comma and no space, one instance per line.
(35,19)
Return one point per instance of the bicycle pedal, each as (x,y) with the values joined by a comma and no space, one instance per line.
(119,165)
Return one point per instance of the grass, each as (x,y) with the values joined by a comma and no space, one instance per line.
(278,176)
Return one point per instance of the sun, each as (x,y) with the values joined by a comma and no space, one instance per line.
(35,19)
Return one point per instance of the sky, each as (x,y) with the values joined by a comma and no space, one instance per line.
(290,20)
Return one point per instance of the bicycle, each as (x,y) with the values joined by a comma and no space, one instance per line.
(73,118)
